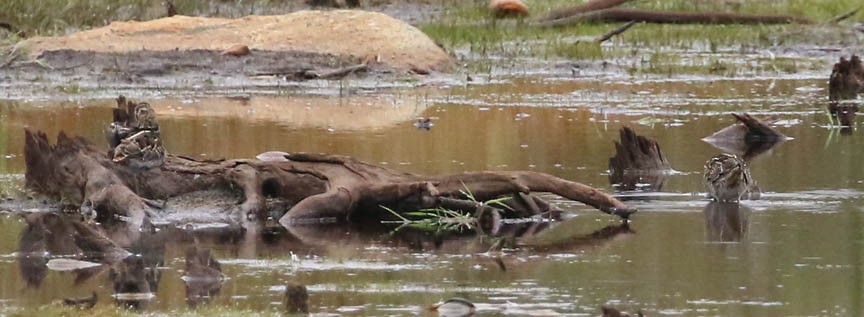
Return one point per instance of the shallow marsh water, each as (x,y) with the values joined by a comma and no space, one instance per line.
(796,251)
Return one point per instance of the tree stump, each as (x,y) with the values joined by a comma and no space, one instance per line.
(638,163)
(844,85)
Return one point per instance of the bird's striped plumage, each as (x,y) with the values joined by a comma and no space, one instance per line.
(727,177)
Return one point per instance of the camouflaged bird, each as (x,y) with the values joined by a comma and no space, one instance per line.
(143,147)
(145,117)
(727,177)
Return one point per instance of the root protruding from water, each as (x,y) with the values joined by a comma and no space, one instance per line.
(318,186)
(844,85)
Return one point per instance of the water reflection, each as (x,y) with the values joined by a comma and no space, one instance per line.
(808,234)
(203,276)
(726,221)
(134,281)
(50,235)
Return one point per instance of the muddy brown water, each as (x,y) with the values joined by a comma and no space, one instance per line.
(796,251)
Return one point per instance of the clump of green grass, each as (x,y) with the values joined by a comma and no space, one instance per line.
(443,219)
(469,26)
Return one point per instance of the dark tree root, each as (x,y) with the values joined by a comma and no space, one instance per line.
(321,186)
(638,160)
(313,186)
(844,85)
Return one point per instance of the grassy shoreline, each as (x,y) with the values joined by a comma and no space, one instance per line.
(483,42)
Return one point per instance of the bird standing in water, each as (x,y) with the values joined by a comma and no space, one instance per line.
(727,177)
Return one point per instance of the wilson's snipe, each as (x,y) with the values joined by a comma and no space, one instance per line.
(144,146)
(727,177)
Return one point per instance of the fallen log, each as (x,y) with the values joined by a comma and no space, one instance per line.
(625,15)
(315,187)
(589,6)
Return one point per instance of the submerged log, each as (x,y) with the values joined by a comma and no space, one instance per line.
(315,186)
(844,85)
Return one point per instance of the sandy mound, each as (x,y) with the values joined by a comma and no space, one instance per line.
(349,33)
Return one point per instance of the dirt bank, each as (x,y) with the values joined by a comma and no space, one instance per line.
(183,52)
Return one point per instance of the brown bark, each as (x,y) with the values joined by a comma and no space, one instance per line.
(323,186)
(589,6)
(844,85)
(748,138)
(315,186)
(638,160)
(625,15)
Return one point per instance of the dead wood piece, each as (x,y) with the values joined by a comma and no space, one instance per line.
(844,16)
(638,164)
(758,130)
(296,298)
(624,15)
(612,312)
(170,9)
(315,185)
(844,85)
(636,152)
(749,138)
(614,32)
(589,6)
(335,73)
(847,79)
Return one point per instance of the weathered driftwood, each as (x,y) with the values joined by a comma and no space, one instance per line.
(844,85)
(748,138)
(323,186)
(638,163)
(625,15)
(316,186)
(588,6)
